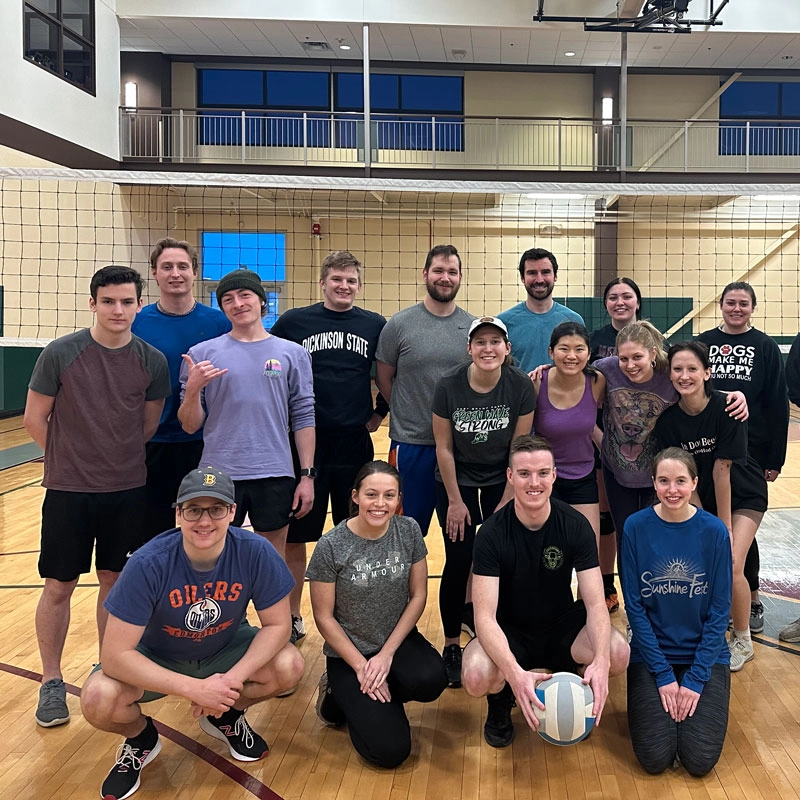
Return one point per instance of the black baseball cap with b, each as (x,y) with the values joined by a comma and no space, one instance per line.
(206,482)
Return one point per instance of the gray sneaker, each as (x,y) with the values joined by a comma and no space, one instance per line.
(791,633)
(756,617)
(52,709)
(741,653)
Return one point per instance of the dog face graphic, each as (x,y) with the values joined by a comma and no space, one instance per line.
(633,415)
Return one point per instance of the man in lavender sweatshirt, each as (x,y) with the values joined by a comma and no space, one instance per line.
(253,390)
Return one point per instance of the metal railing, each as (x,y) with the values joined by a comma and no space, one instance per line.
(204,136)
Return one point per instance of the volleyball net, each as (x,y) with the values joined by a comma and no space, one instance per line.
(681,244)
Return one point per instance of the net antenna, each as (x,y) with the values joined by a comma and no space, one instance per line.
(633,16)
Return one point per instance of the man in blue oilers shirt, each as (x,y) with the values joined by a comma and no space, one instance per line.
(177,625)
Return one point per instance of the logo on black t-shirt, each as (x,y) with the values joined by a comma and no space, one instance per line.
(552,557)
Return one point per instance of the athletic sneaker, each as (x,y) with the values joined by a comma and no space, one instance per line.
(791,633)
(132,757)
(232,728)
(741,653)
(498,730)
(468,620)
(328,711)
(52,709)
(298,630)
(756,617)
(612,602)
(452,664)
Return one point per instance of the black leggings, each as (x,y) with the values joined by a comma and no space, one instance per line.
(481,502)
(380,732)
(752,566)
(657,738)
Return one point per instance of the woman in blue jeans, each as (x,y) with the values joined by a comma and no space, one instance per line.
(677,578)
(369,585)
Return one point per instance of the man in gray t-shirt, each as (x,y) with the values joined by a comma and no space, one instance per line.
(417,346)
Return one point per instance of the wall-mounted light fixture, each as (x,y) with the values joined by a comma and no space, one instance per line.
(131,95)
(607,110)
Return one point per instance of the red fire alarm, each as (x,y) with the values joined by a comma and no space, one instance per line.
(315,229)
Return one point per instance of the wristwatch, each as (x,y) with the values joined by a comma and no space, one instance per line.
(308,472)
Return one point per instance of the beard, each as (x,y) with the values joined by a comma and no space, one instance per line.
(536,292)
(440,294)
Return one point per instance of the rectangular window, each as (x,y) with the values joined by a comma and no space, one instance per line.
(301,90)
(264,253)
(773,110)
(226,88)
(274,101)
(223,251)
(58,35)
(418,98)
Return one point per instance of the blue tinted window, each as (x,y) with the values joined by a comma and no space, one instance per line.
(349,92)
(764,139)
(286,130)
(432,93)
(230,87)
(298,90)
(750,99)
(790,100)
(732,138)
(264,253)
(790,139)
(218,128)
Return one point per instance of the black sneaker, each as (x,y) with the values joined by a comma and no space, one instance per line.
(232,728)
(468,620)
(452,664)
(298,630)
(327,708)
(132,756)
(498,729)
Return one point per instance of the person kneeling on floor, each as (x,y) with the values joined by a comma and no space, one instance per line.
(177,625)
(525,614)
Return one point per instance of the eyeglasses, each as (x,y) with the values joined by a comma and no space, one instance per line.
(193,513)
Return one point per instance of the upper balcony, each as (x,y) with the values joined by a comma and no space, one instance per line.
(332,140)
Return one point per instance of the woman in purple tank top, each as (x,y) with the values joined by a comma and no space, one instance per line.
(568,396)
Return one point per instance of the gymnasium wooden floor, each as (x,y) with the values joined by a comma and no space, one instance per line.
(761,758)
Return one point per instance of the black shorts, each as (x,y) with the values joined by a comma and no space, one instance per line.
(73,523)
(339,455)
(549,648)
(168,463)
(577,491)
(268,502)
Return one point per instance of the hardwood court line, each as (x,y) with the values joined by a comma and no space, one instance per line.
(776,645)
(24,486)
(227,768)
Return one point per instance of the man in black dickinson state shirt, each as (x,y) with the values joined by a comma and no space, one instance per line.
(525,614)
(341,340)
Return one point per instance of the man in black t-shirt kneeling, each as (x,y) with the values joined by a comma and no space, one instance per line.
(525,614)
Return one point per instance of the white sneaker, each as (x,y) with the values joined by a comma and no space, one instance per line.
(741,652)
(791,633)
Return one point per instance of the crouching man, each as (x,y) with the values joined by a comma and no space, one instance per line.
(525,614)
(177,625)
